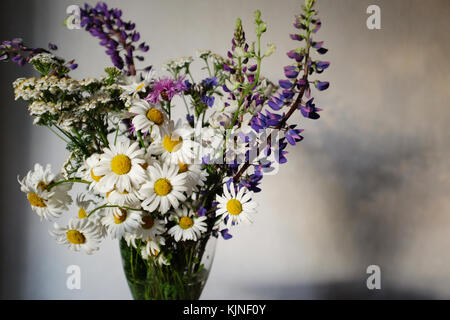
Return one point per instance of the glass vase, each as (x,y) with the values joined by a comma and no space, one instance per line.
(183,279)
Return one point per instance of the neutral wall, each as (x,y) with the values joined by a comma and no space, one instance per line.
(368,185)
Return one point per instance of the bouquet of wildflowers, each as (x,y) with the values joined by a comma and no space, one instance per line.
(163,186)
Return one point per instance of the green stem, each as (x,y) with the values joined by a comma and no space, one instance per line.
(117,133)
(54,184)
(141,141)
(207,66)
(190,75)
(185,103)
(169,109)
(104,138)
(112,206)
(57,134)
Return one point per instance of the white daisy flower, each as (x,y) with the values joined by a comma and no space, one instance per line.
(176,144)
(124,198)
(79,235)
(82,206)
(87,171)
(132,85)
(196,177)
(118,221)
(235,208)
(149,160)
(165,188)
(160,258)
(152,246)
(83,213)
(46,203)
(209,143)
(148,118)
(151,251)
(150,227)
(130,239)
(188,225)
(121,167)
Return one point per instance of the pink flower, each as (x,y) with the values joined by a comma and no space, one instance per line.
(165,89)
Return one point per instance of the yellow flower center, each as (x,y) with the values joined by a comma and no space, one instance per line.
(234,207)
(42,185)
(139,87)
(186,223)
(170,144)
(94,177)
(121,164)
(122,193)
(147,222)
(75,237)
(182,167)
(155,116)
(35,200)
(118,219)
(82,213)
(162,187)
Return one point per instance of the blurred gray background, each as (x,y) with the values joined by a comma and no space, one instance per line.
(368,185)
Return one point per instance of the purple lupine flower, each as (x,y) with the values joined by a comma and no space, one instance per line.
(143,47)
(206,159)
(309,110)
(291,72)
(297,37)
(52,46)
(17,52)
(280,154)
(321,85)
(190,119)
(201,212)
(285,84)
(108,26)
(288,94)
(225,234)
(317,27)
(253,68)
(275,103)
(322,65)
(261,121)
(293,135)
(319,47)
(293,54)
(253,180)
